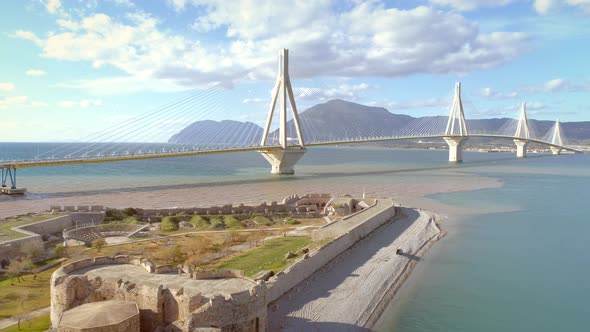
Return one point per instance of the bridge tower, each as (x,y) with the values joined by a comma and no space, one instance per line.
(283,159)
(556,138)
(456,133)
(522,134)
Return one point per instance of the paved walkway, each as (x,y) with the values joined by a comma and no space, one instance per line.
(4,323)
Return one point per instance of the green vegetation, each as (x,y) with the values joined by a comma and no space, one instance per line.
(169,224)
(232,223)
(270,256)
(33,292)
(40,324)
(216,223)
(262,221)
(5,225)
(291,221)
(200,223)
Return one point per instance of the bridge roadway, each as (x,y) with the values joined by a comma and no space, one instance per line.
(173,154)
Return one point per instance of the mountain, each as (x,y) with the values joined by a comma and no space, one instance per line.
(339,119)
(223,133)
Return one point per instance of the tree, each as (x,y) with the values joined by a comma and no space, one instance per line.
(21,312)
(169,224)
(61,250)
(33,250)
(18,267)
(99,243)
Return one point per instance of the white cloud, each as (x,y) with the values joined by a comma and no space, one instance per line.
(544,6)
(124,3)
(19,101)
(36,72)
(558,85)
(343,91)
(493,94)
(28,35)
(121,85)
(84,103)
(366,39)
(13,101)
(6,86)
(178,5)
(53,6)
(467,5)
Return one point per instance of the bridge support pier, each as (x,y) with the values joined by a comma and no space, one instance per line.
(283,161)
(455,147)
(521,145)
(9,173)
(555,150)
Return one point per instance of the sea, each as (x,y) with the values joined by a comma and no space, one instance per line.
(518,262)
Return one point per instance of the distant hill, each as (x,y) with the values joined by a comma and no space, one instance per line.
(223,133)
(339,119)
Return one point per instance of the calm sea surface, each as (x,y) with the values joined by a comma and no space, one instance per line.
(525,270)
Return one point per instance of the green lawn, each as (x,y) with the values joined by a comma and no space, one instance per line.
(270,256)
(36,290)
(41,323)
(5,225)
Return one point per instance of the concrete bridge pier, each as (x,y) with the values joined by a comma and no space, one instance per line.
(455,147)
(555,150)
(521,145)
(283,161)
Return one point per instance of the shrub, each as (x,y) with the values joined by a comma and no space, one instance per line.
(262,221)
(33,250)
(200,222)
(232,222)
(217,223)
(60,250)
(169,224)
(130,212)
(99,243)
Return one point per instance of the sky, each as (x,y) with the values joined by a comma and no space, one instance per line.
(72,67)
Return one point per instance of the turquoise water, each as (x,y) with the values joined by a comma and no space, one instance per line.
(526,270)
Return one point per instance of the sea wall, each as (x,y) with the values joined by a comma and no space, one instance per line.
(348,233)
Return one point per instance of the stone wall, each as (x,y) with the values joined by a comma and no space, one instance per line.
(12,248)
(49,226)
(368,220)
(160,307)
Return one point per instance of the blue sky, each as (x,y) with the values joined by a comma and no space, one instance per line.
(71,67)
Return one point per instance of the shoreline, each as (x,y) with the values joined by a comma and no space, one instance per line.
(352,290)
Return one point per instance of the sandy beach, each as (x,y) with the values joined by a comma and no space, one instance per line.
(350,292)
(406,187)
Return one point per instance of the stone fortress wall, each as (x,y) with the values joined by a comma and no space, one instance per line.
(166,306)
(160,307)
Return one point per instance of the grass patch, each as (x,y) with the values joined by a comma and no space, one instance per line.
(216,223)
(5,225)
(36,290)
(200,223)
(262,221)
(232,223)
(41,323)
(270,256)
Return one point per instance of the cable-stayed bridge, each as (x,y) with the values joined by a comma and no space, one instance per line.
(282,141)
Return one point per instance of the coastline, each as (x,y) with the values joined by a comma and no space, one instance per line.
(351,291)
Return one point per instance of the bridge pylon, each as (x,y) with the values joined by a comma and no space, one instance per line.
(283,160)
(456,133)
(523,134)
(556,138)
